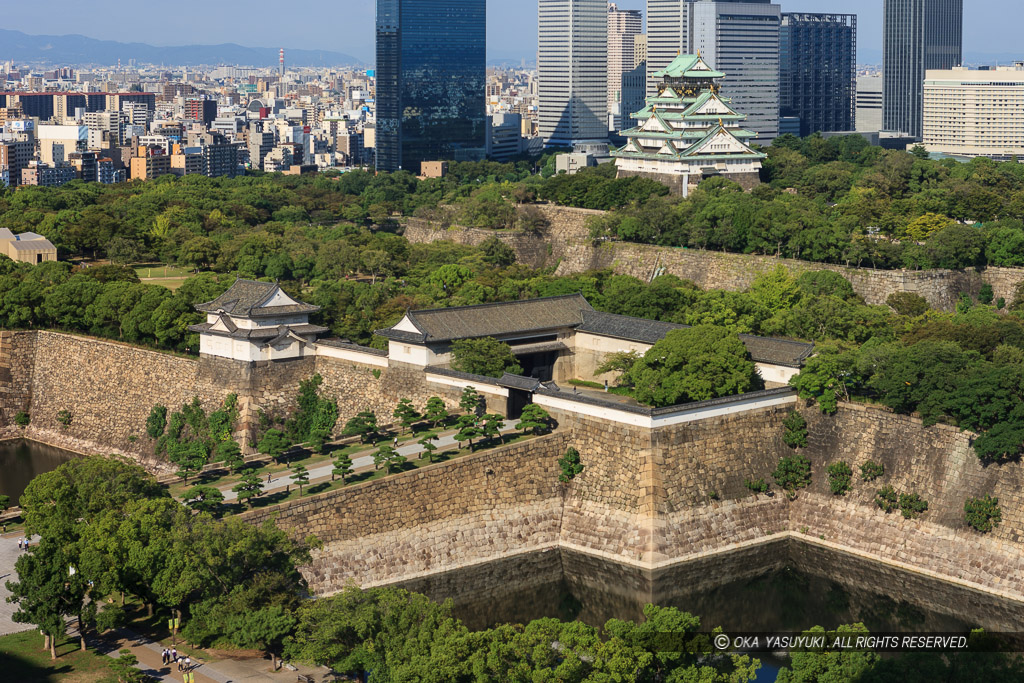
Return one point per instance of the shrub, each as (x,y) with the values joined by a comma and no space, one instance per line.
(840,475)
(64,417)
(570,464)
(795,434)
(912,505)
(908,304)
(756,485)
(22,419)
(156,423)
(871,470)
(986,295)
(792,473)
(983,514)
(887,499)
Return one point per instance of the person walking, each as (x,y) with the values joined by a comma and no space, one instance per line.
(188,663)
(163,657)
(174,657)
(19,542)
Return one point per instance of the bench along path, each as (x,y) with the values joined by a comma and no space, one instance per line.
(360,461)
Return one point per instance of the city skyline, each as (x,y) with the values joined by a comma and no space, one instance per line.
(511,27)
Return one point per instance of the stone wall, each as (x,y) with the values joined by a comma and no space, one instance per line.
(567,244)
(472,510)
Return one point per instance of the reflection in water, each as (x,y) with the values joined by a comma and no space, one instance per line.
(783,586)
(21,461)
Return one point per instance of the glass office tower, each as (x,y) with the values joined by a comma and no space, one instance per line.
(818,64)
(918,35)
(431,73)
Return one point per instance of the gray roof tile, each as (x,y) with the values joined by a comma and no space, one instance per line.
(246,298)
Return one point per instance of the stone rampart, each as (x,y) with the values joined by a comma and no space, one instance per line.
(566,243)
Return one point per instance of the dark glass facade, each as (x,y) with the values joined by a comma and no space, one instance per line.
(431,78)
(818,71)
(918,35)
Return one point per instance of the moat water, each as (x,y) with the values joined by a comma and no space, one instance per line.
(21,461)
(782,586)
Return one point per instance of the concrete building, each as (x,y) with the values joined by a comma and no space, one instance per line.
(261,141)
(202,110)
(186,161)
(623,27)
(257,321)
(504,141)
(740,38)
(14,156)
(918,36)
(47,175)
(572,67)
(85,165)
(149,164)
(639,49)
(972,113)
(689,132)
(27,247)
(818,65)
(869,104)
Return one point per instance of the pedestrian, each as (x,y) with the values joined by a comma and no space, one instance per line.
(163,657)
(181,663)
(396,442)
(268,478)
(19,542)
(174,656)
(188,663)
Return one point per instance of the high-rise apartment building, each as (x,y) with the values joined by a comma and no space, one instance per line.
(738,37)
(572,68)
(975,113)
(623,27)
(918,35)
(818,65)
(639,50)
(14,157)
(431,76)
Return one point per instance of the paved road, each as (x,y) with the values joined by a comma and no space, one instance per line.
(408,450)
(8,555)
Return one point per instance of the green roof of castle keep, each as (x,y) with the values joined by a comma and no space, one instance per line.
(685,66)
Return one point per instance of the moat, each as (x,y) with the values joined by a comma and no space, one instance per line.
(781,586)
(21,461)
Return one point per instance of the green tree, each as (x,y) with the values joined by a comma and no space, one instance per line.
(5,503)
(621,362)
(908,304)
(925,226)
(156,423)
(388,458)
(230,454)
(406,414)
(795,430)
(429,447)
(694,364)
(570,466)
(436,412)
(204,498)
(824,664)
(470,400)
(491,425)
(363,425)
(792,473)
(534,419)
(300,476)
(250,487)
(840,477)
(468,428)
(274,443)
(982,514)
(484,356)
(342,467)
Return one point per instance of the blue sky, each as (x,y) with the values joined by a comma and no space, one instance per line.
(990,26)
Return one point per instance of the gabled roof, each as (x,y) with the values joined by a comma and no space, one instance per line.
(489,320)
(696,149)
(688,66)
(251,299)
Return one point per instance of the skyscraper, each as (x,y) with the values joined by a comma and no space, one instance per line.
(918,35)
(818,54)
(738,37)
(431,76)
(623,28)
(572,66)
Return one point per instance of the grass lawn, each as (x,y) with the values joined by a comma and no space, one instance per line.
(159,270)
(23,659)
(170,283)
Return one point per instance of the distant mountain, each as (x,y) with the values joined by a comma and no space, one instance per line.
(80,50)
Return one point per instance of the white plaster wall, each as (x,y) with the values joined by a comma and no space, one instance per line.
(411,354)
(352,356)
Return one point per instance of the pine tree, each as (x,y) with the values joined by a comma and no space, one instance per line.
(250,487)
(437,411)
(388,458)
(342,467)
(406,414)
(429,447)
(300,475)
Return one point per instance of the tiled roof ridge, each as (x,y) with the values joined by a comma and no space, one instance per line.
(497,304)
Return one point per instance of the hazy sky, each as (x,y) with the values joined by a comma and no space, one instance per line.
(990,26)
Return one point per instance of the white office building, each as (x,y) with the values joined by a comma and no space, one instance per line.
(977,113)
(572,65)
(869,104)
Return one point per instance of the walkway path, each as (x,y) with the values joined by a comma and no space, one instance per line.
(8,556)
(361,460)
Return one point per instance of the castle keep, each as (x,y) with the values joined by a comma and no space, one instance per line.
(688,132)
